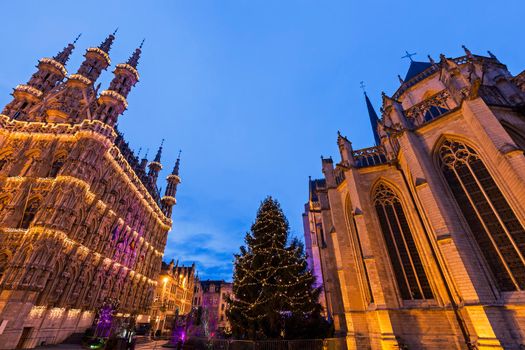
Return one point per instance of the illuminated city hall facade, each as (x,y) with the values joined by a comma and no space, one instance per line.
(420,240)
(81,220)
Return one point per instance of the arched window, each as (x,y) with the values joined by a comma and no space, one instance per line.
(57,165)
(495,227)
(406,262)
(29,213)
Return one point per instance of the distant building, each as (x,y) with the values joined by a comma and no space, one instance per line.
(420,239)
(211,297)
(82,222)
(173,295)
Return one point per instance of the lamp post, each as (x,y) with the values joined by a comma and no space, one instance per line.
(164,304)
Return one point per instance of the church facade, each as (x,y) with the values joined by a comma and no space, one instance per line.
(82,222)
(420,239)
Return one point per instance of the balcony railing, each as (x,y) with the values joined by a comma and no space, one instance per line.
(429,109)
(370,156)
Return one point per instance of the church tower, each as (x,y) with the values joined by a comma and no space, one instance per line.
(418,238)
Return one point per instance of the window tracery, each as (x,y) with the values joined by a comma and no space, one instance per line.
(493,223)
(406,262)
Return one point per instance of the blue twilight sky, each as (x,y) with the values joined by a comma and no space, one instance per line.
(253,92)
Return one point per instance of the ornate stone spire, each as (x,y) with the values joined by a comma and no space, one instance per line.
(168,201)
(155,166)
(159,152)
(112,102)
(177,165)
(96,60)
(106,44)
(63,56)
(50,72)
(134,59)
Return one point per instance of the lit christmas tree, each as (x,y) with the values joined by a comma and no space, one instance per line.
(274,293)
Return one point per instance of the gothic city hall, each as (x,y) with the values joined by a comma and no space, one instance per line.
(82,221)
(420,240)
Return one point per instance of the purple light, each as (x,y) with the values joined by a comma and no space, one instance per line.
(104,321)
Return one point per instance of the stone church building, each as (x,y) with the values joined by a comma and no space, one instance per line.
(420,239)
(82,222)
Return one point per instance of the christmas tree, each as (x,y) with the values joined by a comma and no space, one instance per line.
(274,292)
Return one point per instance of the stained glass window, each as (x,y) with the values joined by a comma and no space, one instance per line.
(402,251)
(494,225)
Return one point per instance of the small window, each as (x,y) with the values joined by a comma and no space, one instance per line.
(29,213)
(55,168)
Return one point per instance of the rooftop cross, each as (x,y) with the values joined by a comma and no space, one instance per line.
(362,85)
(409,55)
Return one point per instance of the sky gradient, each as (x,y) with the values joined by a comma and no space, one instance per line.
(253,92)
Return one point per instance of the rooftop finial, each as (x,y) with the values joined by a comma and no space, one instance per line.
(76,39)
(467,51)
(142,43)
(409,55)
(115,32)
(491,54)
(400,79)
(431,60)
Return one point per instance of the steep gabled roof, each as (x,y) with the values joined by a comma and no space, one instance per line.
(416,68)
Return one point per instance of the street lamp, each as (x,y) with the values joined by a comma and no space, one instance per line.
(164,304)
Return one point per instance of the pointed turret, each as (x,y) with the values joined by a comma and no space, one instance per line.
(106,44)
(159,152)
(134,59)
(112,102)
(50,72)
(168,201)
(96,60)
(374,120)
(63,56)
(155,166)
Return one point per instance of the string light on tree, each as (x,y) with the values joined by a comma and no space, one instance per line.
(274,293)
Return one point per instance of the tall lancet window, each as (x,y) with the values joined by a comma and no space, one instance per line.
(406,262)
(493,223)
